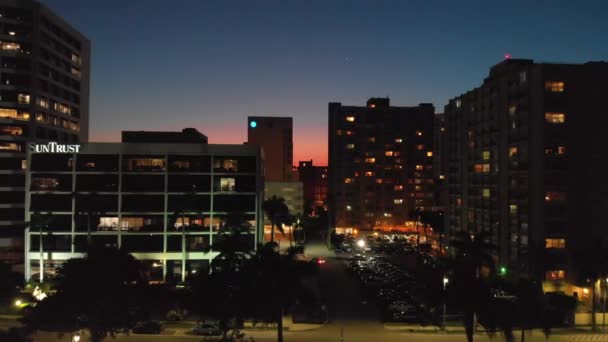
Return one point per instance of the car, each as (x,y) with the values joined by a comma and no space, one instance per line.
(207,329)
(147,327)
(318,261)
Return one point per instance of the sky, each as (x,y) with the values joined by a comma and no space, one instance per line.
(208,64)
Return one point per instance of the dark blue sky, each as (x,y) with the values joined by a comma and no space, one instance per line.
(208,64)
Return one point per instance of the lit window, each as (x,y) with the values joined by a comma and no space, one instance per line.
(13,114)
(398,167)
(458,103)
(370,160)
(350,118)
(555,243)
(75,72)
(459,202)
(225,165)
(418,188)
(339,132)
(62,108)
(485,193)
(512,109)
(350,132)
(398,140)
(555,196)
(513,151)
(485,155)
(419,167)
(561,149)
(429,154)
(481,168)
(398,187)
(23,164)
(555,275)
(398,201)
(420,147)
(513,209)
(555,118)
(378,180)
(419,133)
(75,58)
(23,98)
(42,102)
(371,139)
(441,177)
(356,173)
(554,86)
(7,146)
(40,117)
(227,184)
(348,180)
(372,105)
(369,173)
(350,146)
(9,46)
(388,153)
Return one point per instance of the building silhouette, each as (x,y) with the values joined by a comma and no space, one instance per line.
(275,135)
(380,164)
(44,96)
(314,182)
(526,154)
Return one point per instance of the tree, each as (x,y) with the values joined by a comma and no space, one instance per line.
(10,282)
(276,210)
(590,262)
(96,293)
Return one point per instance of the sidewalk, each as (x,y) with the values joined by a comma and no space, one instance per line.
(459,329)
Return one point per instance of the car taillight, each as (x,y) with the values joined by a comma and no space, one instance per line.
(320,261)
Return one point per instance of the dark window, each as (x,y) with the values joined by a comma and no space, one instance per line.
(197,243)
(189,203)
(230,203)
(51,243)
(142,243)
(97,182)
(11,163)
(188,183)
(143,183)
(174,243)
(51,162)
(96,203)
(12,197)
(51,223)
(45,202)
(97,162)
(143,203)
(12,180)
(189,164)
(80,242)
(12,214)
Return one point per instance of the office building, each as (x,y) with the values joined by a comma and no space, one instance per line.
(314,182)
(380,164)
(527,161)
(275,135)
(162,202)
(44,96)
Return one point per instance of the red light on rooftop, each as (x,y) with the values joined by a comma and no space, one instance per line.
(507,56)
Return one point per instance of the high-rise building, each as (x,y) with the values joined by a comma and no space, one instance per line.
(314,181)
(44,96)
(162,202)
(527,161)
(380,163)
(275,135)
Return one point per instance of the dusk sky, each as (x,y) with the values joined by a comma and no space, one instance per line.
(166,65)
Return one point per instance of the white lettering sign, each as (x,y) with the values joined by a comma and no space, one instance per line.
(53,147)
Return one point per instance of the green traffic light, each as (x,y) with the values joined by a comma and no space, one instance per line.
(503,270)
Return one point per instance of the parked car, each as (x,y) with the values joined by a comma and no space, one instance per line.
(147,327)
(206,328)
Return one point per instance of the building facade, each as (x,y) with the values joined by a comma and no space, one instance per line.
(164,203)
(526,158)
(380,163)
(44,96)
(275,135)
(314,182)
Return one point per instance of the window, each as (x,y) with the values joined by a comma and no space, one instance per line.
(555,118)
(75,58)
(62,108)
(350,146)
(348,180)
(145,164)
(485,193)
(513,209)
(108,223)
(11,130)
(349,132)
(512,109)
(388,153)
(9,46)
(561,149)
(75,72)
(429,154)
(350,118)
(370,160)
(42,102)
(23,98)
(419,133)
(7,146)
(554,86)
(419,167)
(225,165)
(481,168)
(485,155)
(555,196)
(513,151)
(398,201)
(339,132)
(441,177)
(420,147)
(398,187)
(523,77)
(555,275)
(555,243)
(398,140)
(369,173)
(371,139)
(227,184)
(378,180)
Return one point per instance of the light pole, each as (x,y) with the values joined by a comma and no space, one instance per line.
(604,314)
(445,282)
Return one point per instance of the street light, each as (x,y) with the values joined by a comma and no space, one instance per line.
(445,282)
(361,243)
(76,337)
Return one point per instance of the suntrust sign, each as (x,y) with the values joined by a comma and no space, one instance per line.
(53,147)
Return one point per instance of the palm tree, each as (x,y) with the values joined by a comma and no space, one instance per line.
(40,222)
(90,205)
(188,205)
(276,210)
